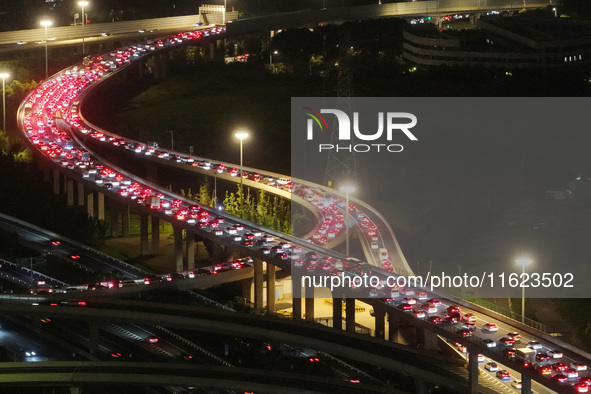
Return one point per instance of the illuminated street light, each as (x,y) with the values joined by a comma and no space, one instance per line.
(241,134)
(83,4)
(46,24)
(347,189)
(3,76)
(523,262)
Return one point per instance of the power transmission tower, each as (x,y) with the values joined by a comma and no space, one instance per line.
(341,165)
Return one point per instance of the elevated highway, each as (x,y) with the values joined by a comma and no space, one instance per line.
(58,91)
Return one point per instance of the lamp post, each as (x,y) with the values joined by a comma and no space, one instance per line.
(554,9)
(83,4)
(347,190)
(171,139)
(3,76)
(241,135)
(46,24)
(523,262)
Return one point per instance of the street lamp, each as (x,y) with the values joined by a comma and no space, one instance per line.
(523,262)
(241,134)
(83,4)
(347,189)
(46,24)
(554,9)
(3,76)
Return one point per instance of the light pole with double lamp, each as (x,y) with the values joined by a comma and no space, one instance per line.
(46,24)
(83,4)
(523,262)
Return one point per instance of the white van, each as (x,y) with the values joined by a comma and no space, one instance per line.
(383,253)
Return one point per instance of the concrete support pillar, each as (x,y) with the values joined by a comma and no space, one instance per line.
(393,327)
(271,287)
(56,181)
(427,339)
(421,386)
(125,221)
(190,247)
(178,248)
(258,285)
(100,206)
(380,327)
(350,314)
(309,304)
(525,384)
(211,51)
(93,337)
(296,294)
(70,192)
(337,313)
(45,173)
(80,194)
(115,225)
(473,372)
(144,249)
(90,204)
(155,235)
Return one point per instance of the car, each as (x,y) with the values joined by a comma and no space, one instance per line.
(560,378)
(30,353)
(541,357)
(545,370)
(490,327)
(434,319)
(435,301)
(469,326)
(508,342)
(514,335)
(422,296)
(428,308)
(464,333)
(461,347)
(509,353)
(489,343)
(491,367)
(571,373)
(578,366)
(581,387)
(452,317)
(555,353)
(534,345)
(560,367)
(503,374)
(419,314)
(453,309)
(153,339)
(469,317)
(516,384)
(405,307)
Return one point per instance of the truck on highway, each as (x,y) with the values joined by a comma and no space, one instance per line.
(525,354)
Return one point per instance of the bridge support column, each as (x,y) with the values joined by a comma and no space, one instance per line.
(90,204)
(80,194)
(427,339)
(100,206)
(144,250)
(380,327)
(258,285)
(271,287)
(309,303)
(155,235)
(115,225)
(190,248)
(421,386)
(45,173)
(178,248)
(211,51)
(350,314)
(56,181)
(296,295)
(525,384)
(93,337)
(125,221)
(393,327)
(473,372)
(337,313)
(70,192)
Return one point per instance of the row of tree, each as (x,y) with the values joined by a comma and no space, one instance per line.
(260,208)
